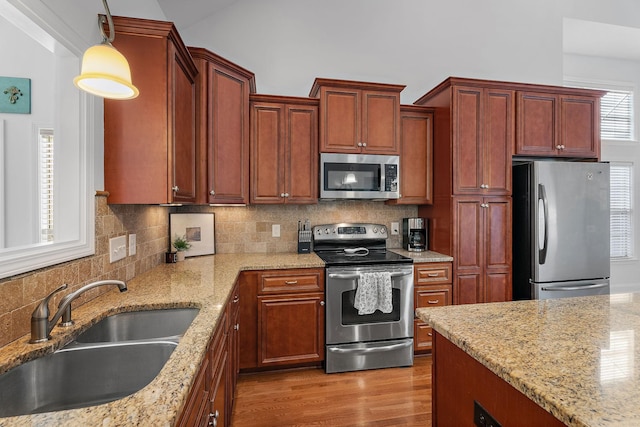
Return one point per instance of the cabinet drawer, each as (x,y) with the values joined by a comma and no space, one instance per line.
(432,296)
(437,272)
(422,337)
(307,280)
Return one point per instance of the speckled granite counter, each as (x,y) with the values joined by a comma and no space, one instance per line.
(575,357)
(203,282)
(425,256)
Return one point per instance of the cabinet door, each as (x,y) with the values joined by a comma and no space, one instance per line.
(498,140)
(380,122)
(579,126)
(467,140)
(340,120)
(301,175)
(233,346)
(267,166)
(497,257)
(290,329)
(416,157)
(218,393)
(228,137)
(537,127)
(184,132)
(469,247)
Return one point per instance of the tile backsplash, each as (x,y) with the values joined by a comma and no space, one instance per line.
(237,230)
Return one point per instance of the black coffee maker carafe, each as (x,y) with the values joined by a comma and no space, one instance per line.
(414,234)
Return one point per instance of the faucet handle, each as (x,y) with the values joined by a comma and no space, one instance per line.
(42,311)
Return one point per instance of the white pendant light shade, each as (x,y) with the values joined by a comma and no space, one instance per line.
(105,72)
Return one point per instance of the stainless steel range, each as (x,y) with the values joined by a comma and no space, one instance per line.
(369,298)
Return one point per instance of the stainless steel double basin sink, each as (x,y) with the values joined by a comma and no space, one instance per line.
(114,358)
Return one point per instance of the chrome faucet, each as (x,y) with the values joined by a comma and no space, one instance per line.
(41,326)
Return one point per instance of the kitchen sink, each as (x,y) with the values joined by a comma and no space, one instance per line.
(140,325)
(76,377)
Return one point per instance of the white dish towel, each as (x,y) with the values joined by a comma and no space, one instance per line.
(374,293)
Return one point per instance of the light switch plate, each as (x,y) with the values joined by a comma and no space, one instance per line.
(117,248)
(275,230)
(132,244)
(395,228)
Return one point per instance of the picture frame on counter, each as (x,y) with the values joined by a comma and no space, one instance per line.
(198,229)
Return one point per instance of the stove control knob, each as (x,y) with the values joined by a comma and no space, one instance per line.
(375,229)
(383,230)
(326,231)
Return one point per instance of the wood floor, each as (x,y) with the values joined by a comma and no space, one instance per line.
(382,397)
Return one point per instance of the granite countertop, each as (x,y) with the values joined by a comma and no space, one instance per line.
(203,282)
(575,357)
(424,256)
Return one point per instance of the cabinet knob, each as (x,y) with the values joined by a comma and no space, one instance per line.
(484,205)
(281,194)
(484,185)
(359,144)
(562,147)
(213,416)
(213,193)
(236,298)
(286,194)
(322,303)
(558,147)
(175,188)
(236,326)
(364,144)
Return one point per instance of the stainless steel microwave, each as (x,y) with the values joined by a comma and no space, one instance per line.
(359,176)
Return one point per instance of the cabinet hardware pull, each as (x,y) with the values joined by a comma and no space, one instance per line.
(175,188)
(236,298)
(430,334)
(433,274)
(291,282)
(236,326)
(431,301)
(213,193)
(322,303)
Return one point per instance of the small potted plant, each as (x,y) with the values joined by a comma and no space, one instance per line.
(181,245)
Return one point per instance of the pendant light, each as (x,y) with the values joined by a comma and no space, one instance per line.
(105,71)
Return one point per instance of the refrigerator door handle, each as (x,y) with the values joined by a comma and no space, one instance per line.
(542,195)
(576,288)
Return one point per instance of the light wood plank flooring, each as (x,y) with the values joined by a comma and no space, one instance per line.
(309,397)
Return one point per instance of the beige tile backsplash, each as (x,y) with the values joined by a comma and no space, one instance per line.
(237,230)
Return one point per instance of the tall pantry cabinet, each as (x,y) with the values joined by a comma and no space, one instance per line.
(470,218)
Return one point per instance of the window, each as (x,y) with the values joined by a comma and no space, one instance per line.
(620,210)
(46,184)
(616,115)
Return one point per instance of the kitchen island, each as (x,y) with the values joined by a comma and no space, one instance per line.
(552,362)
(202,282)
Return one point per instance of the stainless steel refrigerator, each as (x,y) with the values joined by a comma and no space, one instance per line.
(560,229)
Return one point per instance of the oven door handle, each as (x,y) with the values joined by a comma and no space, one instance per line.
(370,350)
(345,276)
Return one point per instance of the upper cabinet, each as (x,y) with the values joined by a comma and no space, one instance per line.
(150,141)
(284,150)
(554,123)
(416,155)
(222,130)
(358,117)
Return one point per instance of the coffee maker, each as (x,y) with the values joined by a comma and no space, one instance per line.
(414,234)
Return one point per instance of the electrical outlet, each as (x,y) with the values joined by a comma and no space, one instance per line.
(132,244)
(395,228)
(117,248)
(275,230)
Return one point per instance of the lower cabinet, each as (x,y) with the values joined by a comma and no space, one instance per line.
(282,317)
(432,288)
(210,401)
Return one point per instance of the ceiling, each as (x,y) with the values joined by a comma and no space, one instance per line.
(185,13)
(600,39)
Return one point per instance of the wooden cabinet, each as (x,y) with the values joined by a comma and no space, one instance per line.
(150,141)
(211,398)
(552,124)
(483,121)
(416,156)
(432,288)
(284,150)
(358,117)
(222,131)
(282,313)
(482,256)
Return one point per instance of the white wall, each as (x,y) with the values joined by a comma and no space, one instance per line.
(606,71)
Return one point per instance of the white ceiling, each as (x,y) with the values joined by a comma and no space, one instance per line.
(185,13)
(599,39)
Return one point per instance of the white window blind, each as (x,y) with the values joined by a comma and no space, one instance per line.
(620,210)
(46,185)
(616,115)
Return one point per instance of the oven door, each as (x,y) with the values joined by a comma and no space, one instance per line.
(345,325)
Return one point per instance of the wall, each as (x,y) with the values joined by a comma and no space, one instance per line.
(21,294)
(624,274)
